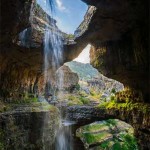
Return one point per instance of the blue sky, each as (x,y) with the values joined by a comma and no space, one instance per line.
(68,13)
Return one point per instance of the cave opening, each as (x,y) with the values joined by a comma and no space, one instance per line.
(68,14)
(55,93)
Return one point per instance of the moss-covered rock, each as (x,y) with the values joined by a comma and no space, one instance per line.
(27,127)
(110,134)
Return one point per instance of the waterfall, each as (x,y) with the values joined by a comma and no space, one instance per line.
(53,50)
(64,139)
(53,59)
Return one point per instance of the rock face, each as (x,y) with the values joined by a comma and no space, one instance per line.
(118,33)
(91,79)
(85,23)
(11,18)
(105,85)
(107,134)
(116,29)
(20,66)
(21,57)
(138,119)
(66,79)
(28,128)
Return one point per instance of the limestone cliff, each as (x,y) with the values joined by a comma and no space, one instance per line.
(118,32)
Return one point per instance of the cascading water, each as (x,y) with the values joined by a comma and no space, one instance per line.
(53,59)
(53,50)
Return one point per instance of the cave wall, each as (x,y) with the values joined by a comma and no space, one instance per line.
(118,32)
(21,64)
(14,18)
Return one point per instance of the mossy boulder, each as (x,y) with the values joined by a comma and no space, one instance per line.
(109,134)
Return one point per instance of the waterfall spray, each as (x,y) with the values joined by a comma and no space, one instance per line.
(53,59)
(53,49)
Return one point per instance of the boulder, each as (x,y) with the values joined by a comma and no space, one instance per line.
(107,134)
(66,79)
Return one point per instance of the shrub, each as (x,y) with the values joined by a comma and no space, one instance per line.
(84,100)
(113,91)
(77,87)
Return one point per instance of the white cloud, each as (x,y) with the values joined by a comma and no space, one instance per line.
(60,5)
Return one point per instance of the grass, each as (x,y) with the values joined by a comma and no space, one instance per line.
(77,100)
(74,100)
(84,100)
(95,95)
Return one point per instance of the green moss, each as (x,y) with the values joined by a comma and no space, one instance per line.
(106,145)
(95,95)
(95,138)
(71,103)
(117,146)
(129,142)
(112,122)
(4,107)
(74,100)
(129,106)
(113,91)
(84,100)
(82,93)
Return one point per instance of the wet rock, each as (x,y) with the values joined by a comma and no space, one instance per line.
(138,119)
(29,127)
(106,134)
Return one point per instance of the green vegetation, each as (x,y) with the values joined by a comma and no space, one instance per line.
(113,91)
(4,107)
(94,127)
(84,100)
(129,142)
(77,100)
(25,101)
(106,145)
(95,95)
(95,138)
(129,106)
(77,87)
(128,95)
(69,36)
(109,134)
(122,100)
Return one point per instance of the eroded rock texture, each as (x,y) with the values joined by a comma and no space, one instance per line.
(137,118)
(20,67)
(66,79)
(118,32)
(29,127)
